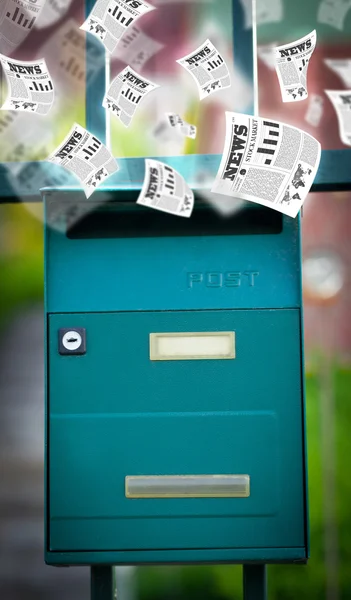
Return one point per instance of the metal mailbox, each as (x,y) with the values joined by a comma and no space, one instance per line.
(175,404)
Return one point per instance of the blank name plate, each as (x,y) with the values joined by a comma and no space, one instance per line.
(187,486)
(192,345)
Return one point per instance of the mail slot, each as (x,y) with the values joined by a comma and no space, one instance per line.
(175,410)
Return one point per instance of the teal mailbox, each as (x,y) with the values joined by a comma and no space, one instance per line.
(175,406)
(175,419)
(175,401)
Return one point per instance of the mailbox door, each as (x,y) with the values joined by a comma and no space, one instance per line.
(114,413)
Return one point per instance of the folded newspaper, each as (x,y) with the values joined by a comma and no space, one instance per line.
(169,139)
(342,67)
(315,110)
(125,93)
(109,19)
(17,18)
(291,65)
(136,47)
(208,68)
(267,162)
(30,86)
(266,53)
(181,126)
(341,100)
(166,190)
(52,12)
(266,11)
(24,136)
(73,62)
(333,12)
(84,155)
(28,178)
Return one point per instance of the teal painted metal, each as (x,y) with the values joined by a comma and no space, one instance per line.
(174,417)
(202,272)
(255,582)
(304,416)
(163,557)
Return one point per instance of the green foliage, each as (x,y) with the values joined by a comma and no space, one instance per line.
(21,259)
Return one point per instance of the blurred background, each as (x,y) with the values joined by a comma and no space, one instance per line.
(177,28)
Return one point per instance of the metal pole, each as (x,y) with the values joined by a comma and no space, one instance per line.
(327,396)
(103,583)
(255,582)
(95,114)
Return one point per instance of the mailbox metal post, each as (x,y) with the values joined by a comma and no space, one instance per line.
(255,582)
(103,583)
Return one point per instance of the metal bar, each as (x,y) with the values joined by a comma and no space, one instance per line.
(243,46)
(327,413)
(255,582)
(334,173)
(95,115)
(254,60)
(102,583)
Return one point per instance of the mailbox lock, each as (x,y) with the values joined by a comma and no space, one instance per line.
(72,341)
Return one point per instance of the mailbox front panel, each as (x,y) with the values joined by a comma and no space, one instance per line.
(115,413)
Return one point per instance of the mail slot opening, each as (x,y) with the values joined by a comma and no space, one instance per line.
(188,486)
(126,219)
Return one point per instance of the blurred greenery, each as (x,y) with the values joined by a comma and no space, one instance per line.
(21,258)
(21,284)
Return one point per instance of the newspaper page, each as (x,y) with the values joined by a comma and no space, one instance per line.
(315,110)
(166,190)
(125,93)
(266,53)
(17,18)
(341,100)
(342,67)
(24,136)
(109,19)
(267,11)
(224,205)
(162,131)
(291,66)
(183,127)
(27,179)
(267,162)
(85,156)
(136,48)
(168,138)
(30,86)
(333,12)
(53,11)
(72,61)
(208,68)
